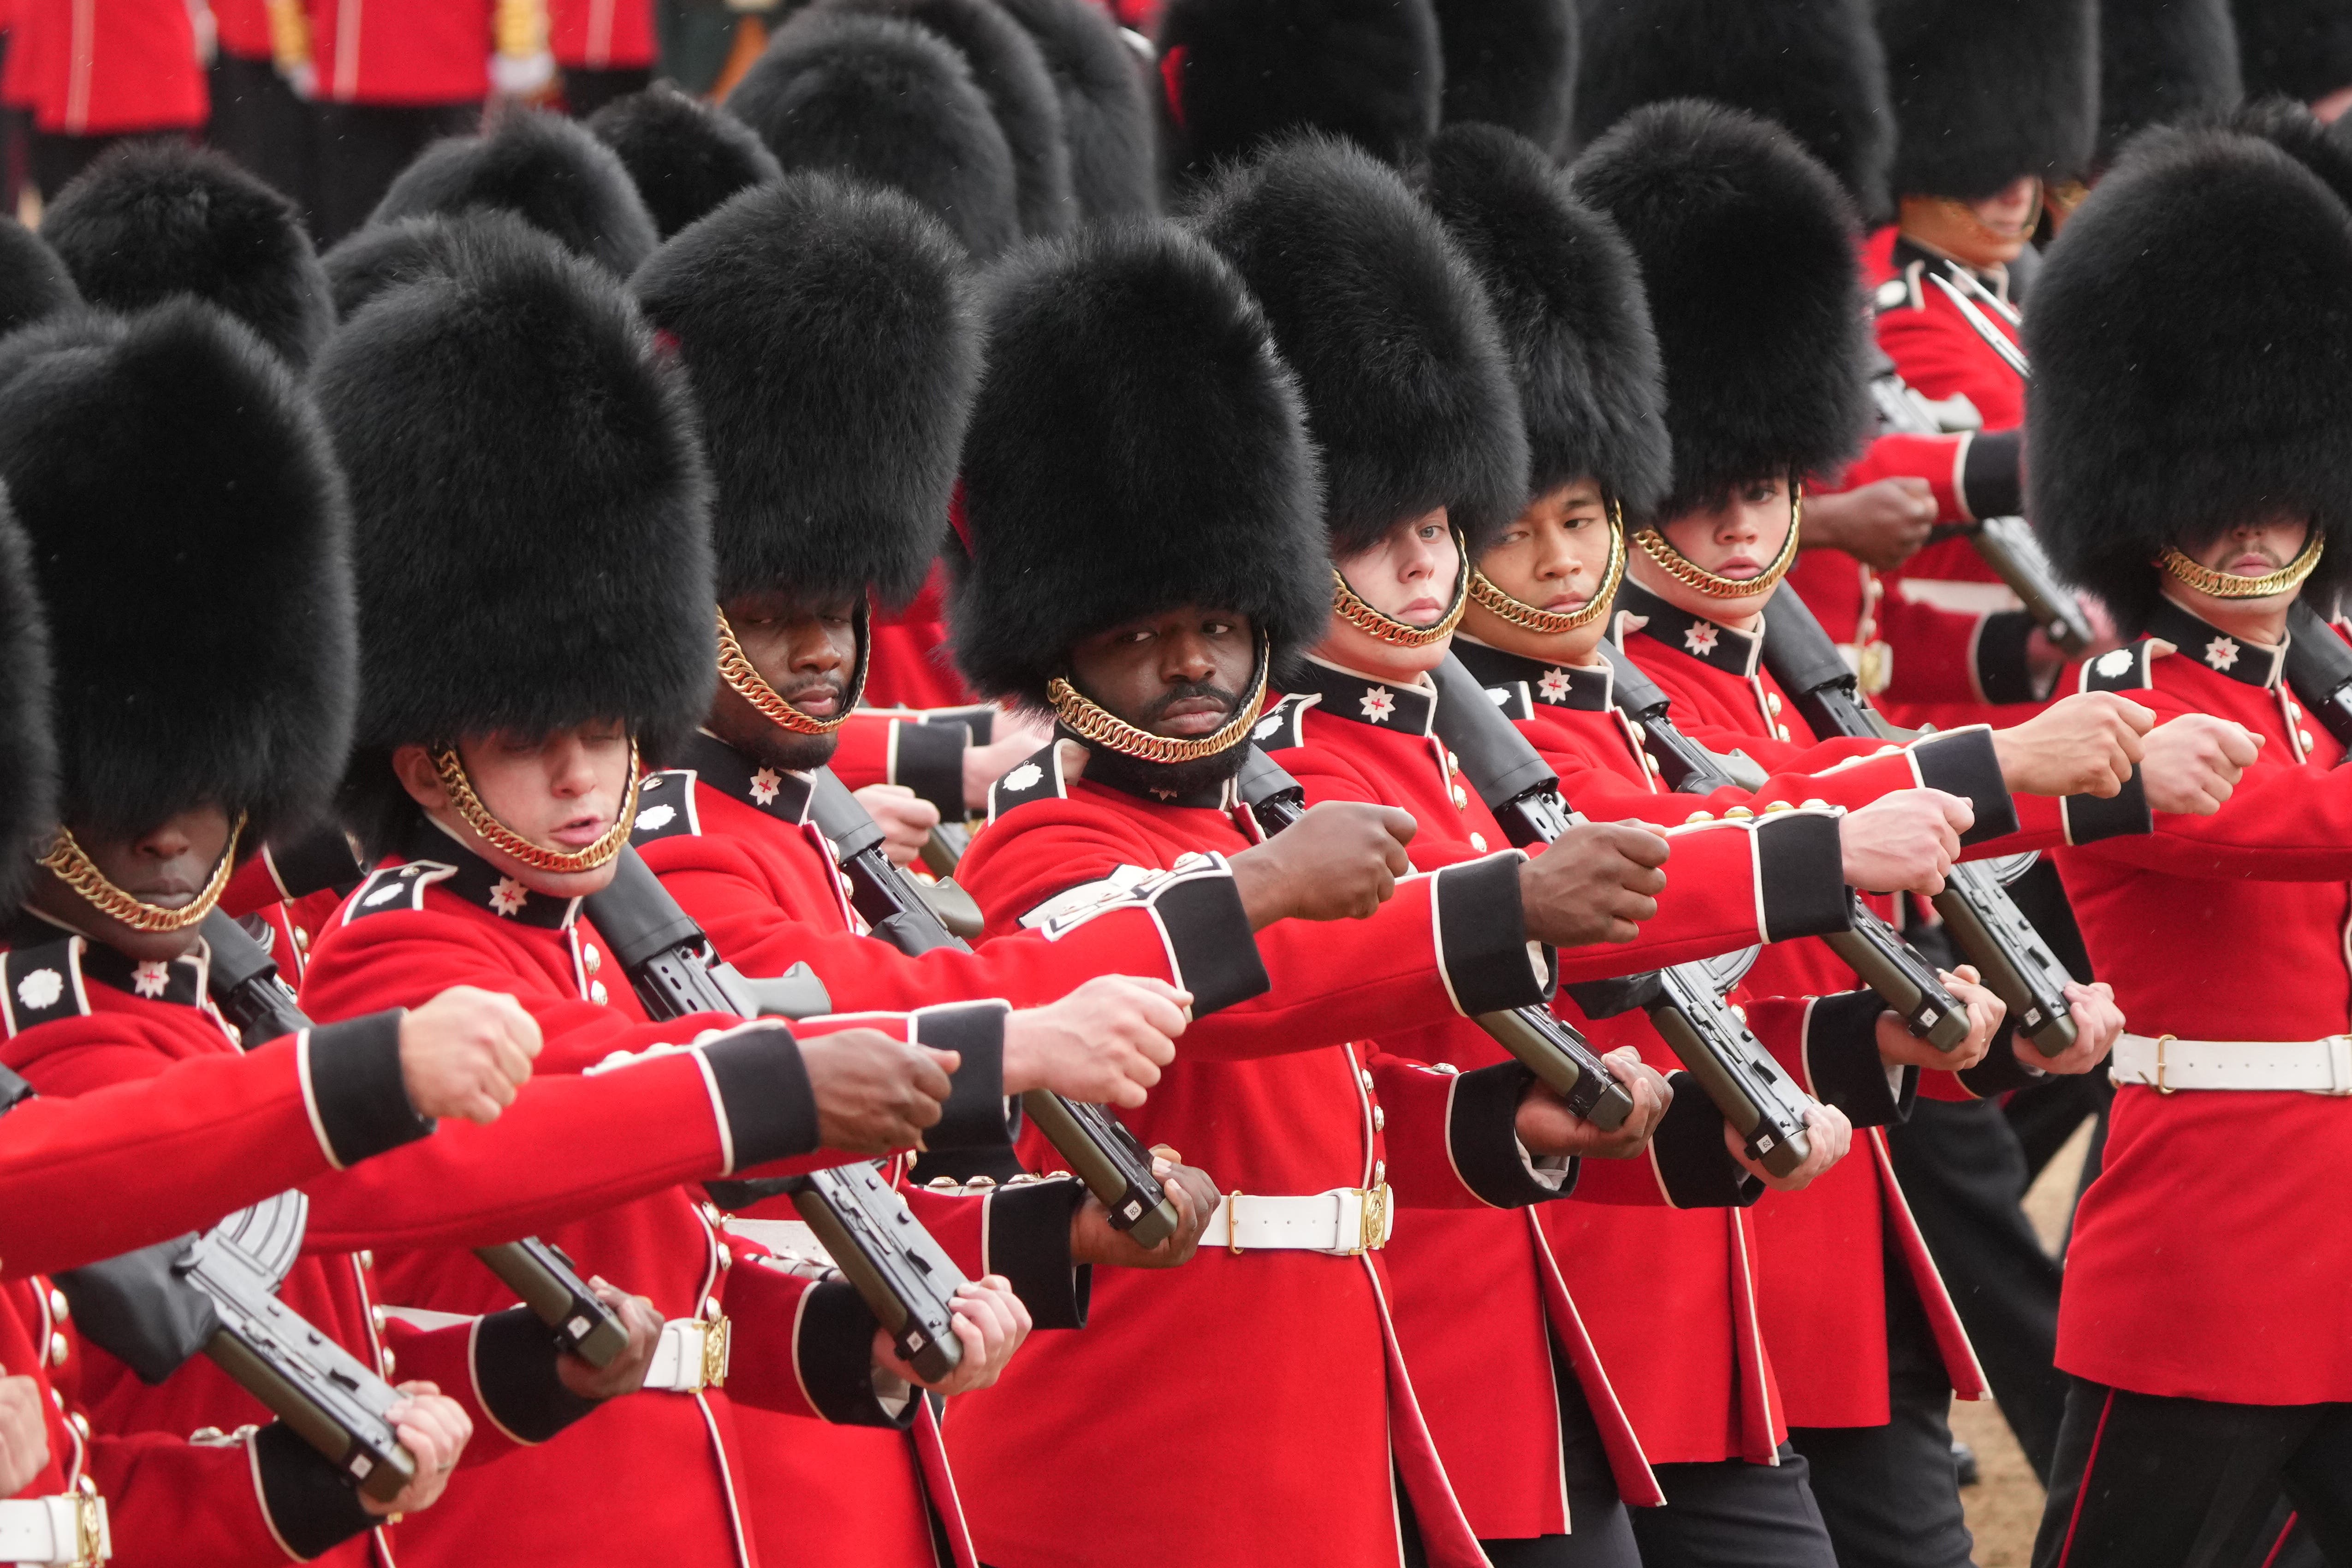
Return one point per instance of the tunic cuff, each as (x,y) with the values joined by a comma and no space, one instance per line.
(1799,875)
(929,760)
(514,1362)
(1027,1239)
(1210,946)
(975,1115)
(1696,1170)
(2088,818)
(1482,1136)
(1964,762)
(834,1347)
(1842,1067)
(765,1103)
(2003,674)
(2003,1068)
(1483,951)
(358,1097)
(1992,475)
(311,1507)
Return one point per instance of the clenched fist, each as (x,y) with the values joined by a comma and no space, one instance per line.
(1105,1042)
(1092,1239)
(625,1373)
(466,1053)
(991,1322)
(905,818)
(874,1093)
(2192,764)
(1596,882)
(2084,745)
(1904,842)
(1338,861)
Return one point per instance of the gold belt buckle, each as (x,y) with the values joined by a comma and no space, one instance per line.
(2161,1041)
(715,1335)
(1374,1232)
(91,1543)
(1233,1222)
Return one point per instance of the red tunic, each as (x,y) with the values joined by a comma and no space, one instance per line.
(911,664)
(402,52)
(104,68)
(602,35)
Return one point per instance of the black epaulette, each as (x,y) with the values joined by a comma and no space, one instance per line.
(395,888)
(44,985)
(1279,726)
(1037,777)
(2124,669)
(1900,292)
(666,808)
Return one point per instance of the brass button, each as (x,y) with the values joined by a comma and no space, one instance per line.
(367,1258)
(1380,1120)
(1737,812)
(1364,1076)
(301,940)
(1380,1172)
(1478,842)
(596,992)
(80,1424)
(1698,817)
(1781,731)
(1772,701)
(388,1362)
(1652,762)
(380,1316)
(710,1308)
(2306,738)
(59,1308)
(1453,763)
(1461,797)
(58,1350)
(590,958)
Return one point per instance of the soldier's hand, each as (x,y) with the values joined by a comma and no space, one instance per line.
(1596,882)
(2084,745)
(435,1430)
(1881,525)
(2098,1024)
(1905,841)
(874,1093)
(1340,860)
(990,1320)
(1898,1044)
(1547,1126)
(625,1373)
(23,1435)
(2192,764)
(466,1053)
(1104,1043)
(905,818)
(1828,1136)
(1092,1239)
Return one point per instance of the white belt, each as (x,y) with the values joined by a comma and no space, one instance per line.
(1344,1221)
(2164,1064)
(65,1530)
(690,1356)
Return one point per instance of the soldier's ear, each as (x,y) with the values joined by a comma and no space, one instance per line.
(413,765)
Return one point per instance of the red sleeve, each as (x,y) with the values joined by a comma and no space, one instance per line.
(1935,459)
(169,1501)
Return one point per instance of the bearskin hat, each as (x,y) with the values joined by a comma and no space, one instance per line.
(2296,48)
(1137,444)
(1236,74)
(890,102)
(530,516)
(684,156)
(1986,92)
(383,255)
(2191,335)
(1105,118)
(1746,247)
(1811,66)
(2326,150)
(2162,62)
(833,351)
(1010,71)
(29,758)
(1511,63)
(154,219)
(1408,388)
(34,283)
(1568,296)
(545,169)
(191,545)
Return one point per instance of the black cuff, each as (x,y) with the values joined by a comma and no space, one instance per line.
(1209,938)
(2089,818)
(1482,931)
(1029,1244)
(764,1093)
(975,1115)
(514,1372)
(930,761)
(2003,1068)
(357,1093)
(1964,762)
(979,721)
(319,859)
(2004,675)
(835,1352)
(1693,1165)
(1799,875)
(310,1505)
(1842,1063)
(1992,475)
(1482,1134)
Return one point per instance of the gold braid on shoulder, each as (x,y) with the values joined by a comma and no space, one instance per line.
(2230,585)
(72,866)
(1691,574)
(513,845)
(1551,623)
(1091,722)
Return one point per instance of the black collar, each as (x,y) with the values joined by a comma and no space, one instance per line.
(1908,251)
(1367,699)
(1709,642)
(781,795)
(178,981)
(430,848)
(1533,683)
(2249,663)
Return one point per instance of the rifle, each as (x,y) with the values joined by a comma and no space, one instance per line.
(904,1277)
(2320,668)
(2017,965)
(1104,1155)
(246,986)
(1547,1045)
(1757,1096)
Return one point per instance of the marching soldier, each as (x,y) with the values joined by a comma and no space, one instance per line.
(92,77)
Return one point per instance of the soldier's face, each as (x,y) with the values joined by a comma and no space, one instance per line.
(1553,556)
(807,650)
(2250,550)
(167,865)
(561,791)
(1739,537)
(1181,673)
(1409,576)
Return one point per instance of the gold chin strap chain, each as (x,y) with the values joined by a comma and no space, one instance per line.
(748,683)
(2230,585)
(72,866)
(1104,728)
(1688,572)
(1551,623)
(1404,633)
(513,845)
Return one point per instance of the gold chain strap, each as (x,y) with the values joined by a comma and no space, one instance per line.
(513,845)
(1691,574)
(72,866)
(1404,633)
(1104,728)
(1551,623)
(2230,585)
(736,670)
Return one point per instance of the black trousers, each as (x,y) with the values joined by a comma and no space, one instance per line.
(361,146)
(1733,1514)
(2150,1483)
(586,90)
(257,120)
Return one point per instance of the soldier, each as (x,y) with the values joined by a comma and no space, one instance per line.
(543,168)
(2203,525)
(92,77)
(684,156)
(604,50)
(1105,115)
